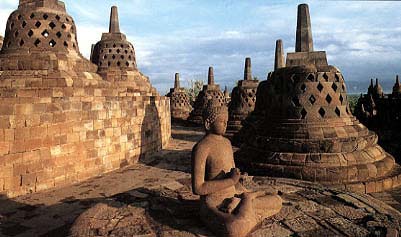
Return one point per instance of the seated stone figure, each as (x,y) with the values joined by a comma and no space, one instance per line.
(227,208)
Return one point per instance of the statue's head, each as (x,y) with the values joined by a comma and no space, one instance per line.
(215,117)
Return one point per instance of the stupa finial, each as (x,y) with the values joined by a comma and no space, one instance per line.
(114,26)
(248,69)
(177,80)
(304,41)
(210,77)
(279,55)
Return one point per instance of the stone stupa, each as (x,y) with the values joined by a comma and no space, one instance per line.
(180,105)
(209,91)
(115,57)
(60,121)
(305,129)
(243,99)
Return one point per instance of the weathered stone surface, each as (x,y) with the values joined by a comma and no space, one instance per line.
(302,126)
(60,121)
(174,213)
(1,41)
(106,220)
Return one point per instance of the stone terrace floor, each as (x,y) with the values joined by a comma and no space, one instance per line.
(157,191)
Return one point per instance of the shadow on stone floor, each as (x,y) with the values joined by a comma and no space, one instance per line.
(175,160)
(165,210)
(187,137)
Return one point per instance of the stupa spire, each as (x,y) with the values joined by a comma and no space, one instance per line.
(210,77)
(304,41)
(279,55)
(114,26)
(248,69)
(177,81)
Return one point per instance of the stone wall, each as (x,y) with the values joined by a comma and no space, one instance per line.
(53,133)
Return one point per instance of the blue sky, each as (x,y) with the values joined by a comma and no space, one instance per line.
(361,38)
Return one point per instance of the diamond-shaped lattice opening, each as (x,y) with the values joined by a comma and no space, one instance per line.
(337,111)
(114,56)
(45,33)
(303,87)
(118,50)
(52,43)
(12,25)
(320,87)
(74,46)
(322,112)
(337,77)
(295,101)
(325,77)
(311,77)
(52,25)
(58,34)
(37,42)
(58,17)
(32,16)
(334,86)
(63,26)
(342,86)
(19,17)
(30,33)
(45,16)
(38,24)
(303,113)
(114,45)
(23,24)
(118,63)
(16,33)
(341,99)
(65,44)
(127,64)
(21,43)
(328,99)
(312,99)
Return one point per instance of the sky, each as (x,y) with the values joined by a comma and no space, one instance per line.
(361,38)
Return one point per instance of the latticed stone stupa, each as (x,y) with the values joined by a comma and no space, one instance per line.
(307,130)
(243,98)
(60,121)
(116,61)
(180,104)
(209,91)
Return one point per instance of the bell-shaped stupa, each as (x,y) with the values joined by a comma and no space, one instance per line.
(209,91)
(115,57)
(305,129)
(180,105)
(243,99)
(40,35)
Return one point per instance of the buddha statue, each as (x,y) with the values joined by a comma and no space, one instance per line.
(227,207)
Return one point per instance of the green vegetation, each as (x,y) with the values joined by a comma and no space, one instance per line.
(195,86)
(352,100)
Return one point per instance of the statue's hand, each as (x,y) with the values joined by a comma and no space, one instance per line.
(235,175)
